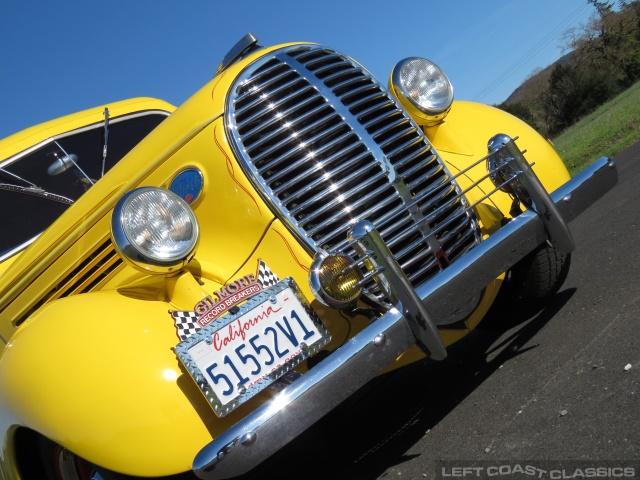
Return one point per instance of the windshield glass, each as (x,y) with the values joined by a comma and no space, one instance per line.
(32,184)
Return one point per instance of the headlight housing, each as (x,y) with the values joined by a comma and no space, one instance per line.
(335,280)
(422,88)
(155,230)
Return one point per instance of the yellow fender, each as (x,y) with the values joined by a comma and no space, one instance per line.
(96,374)
(461,139)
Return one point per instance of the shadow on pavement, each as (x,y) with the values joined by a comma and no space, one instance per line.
(371,431)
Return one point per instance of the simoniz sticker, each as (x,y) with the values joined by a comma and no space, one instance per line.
(213,306)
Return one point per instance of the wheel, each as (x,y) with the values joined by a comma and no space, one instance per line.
(540,274)
(528,287)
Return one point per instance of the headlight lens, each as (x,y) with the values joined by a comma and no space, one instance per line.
(155,229)
(422,88)
(334,278)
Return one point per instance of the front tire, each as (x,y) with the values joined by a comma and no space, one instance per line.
(539,275)
(528,287)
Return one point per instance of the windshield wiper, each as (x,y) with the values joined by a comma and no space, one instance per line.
(13,176)
(36,191)
(32,189)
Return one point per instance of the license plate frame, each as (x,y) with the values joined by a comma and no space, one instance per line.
(205,347)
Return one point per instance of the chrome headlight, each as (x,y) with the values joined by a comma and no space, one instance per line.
(422,88)
(155,230)
(335,279)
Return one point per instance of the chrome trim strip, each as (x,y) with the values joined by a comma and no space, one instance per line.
(19,248)
(274,424)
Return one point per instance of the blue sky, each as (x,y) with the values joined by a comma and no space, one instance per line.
(62,57)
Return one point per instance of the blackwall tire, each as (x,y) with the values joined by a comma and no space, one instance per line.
(528,288)
(539,275)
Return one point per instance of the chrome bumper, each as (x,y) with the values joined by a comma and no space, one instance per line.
(309,398)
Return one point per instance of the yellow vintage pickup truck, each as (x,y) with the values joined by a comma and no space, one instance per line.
(183,291)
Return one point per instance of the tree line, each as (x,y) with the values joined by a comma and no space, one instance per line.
(604,60)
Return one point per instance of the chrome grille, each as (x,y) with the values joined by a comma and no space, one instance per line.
(326,145)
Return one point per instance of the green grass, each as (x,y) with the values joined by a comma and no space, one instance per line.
(606,132)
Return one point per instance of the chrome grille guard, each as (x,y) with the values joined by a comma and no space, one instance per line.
(509,171)
(309,398)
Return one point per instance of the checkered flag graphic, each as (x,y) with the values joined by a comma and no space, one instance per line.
(264,276)
(185,322)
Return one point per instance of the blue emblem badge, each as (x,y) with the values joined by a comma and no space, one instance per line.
(188,185)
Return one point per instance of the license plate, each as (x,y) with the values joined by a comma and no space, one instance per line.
(241,353)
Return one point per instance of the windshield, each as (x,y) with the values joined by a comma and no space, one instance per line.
(36,188)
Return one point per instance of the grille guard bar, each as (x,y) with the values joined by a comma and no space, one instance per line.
(312,396)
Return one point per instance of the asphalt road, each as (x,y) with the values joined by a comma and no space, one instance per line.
(547,392)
